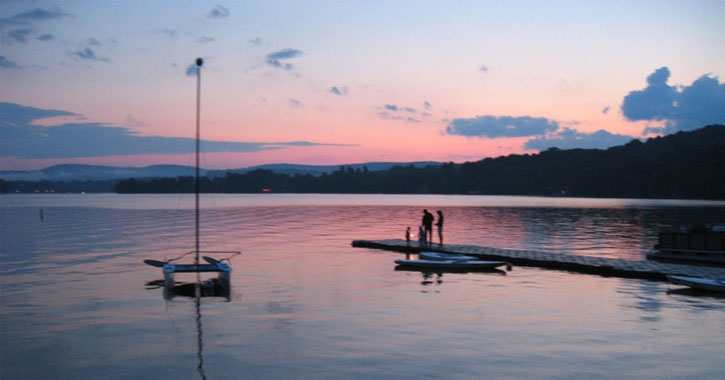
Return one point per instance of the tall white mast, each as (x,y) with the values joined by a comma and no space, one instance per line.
(199,62)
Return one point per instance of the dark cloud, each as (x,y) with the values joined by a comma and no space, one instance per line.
(294,103)
(219,12)
(274,59)
(284,54)
(393,107)
(395,112)
(191,70)
(20,27)
(89,54)
(29,17)
(45,37)
(700,104)
(682,108)
(568,138)
(655,102)
(16,114)
(501,126)
(20,35)
(171,33)
(427,105)
(23,140)
(8,64)
(391,116)
(338,90)
(544,133)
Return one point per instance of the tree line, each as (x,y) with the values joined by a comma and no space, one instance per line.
(683,165)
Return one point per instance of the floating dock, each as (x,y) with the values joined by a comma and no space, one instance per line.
(603,266)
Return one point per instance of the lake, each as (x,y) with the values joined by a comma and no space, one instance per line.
(78,302)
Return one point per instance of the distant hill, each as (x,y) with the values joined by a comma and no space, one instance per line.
(78,172)
(316,170)
(683,165)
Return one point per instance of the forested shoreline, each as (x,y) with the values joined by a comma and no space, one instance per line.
(684,165)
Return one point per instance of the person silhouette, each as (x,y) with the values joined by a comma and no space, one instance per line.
(439,223)
(428,225)
(421,235)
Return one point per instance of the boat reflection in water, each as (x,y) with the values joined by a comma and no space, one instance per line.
(219,286)
(214,287)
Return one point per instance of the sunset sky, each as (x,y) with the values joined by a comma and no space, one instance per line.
(341,82)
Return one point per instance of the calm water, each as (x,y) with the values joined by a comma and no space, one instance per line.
(305,305)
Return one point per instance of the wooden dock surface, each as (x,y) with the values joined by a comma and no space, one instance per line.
(649,269)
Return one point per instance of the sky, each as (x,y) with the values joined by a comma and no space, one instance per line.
(343,82)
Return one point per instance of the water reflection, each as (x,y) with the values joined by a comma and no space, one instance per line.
(645,296)
(690,292)
(317,308)
(435,277)
(199,339)
(214,287)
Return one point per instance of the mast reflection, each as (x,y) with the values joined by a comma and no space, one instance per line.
(199,340)
(218,287)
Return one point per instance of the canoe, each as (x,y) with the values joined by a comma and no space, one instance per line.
(444,256)
(450,264)
(711,284)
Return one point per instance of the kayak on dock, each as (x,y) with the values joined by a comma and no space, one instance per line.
(444,256)
(711,284)
(450,264)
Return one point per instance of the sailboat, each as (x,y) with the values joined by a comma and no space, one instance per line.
(219,286)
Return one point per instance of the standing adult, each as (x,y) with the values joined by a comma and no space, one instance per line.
(428,225)
(439,223)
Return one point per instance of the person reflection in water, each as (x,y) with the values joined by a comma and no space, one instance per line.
(439,223)
(428,225)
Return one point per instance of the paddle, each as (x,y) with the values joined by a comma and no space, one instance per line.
(155,263)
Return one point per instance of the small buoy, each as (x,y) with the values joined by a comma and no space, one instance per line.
(509,267)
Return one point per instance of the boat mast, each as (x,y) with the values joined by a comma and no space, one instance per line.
(199,62)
